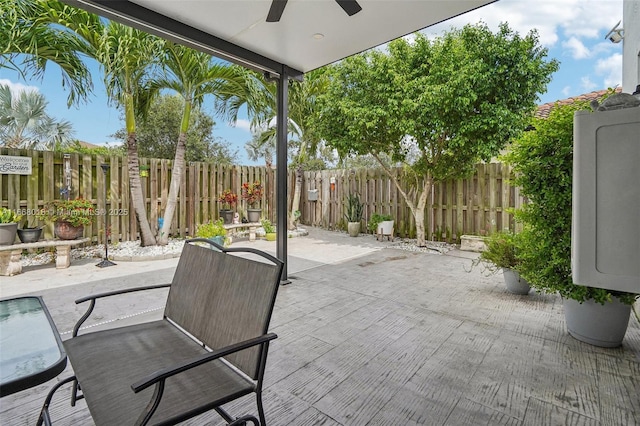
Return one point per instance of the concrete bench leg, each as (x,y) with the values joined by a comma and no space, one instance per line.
(10,262)
(252,233)
(63,257)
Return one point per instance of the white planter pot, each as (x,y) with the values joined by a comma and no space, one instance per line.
(385,227)
(596,324)
(514,282)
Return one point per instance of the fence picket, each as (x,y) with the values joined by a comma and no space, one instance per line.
(476,205)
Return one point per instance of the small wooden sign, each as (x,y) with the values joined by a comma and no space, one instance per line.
(11,165)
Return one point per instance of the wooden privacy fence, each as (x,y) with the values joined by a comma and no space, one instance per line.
(478,205)
(52,172)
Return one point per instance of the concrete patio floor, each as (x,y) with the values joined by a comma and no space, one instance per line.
(370,335)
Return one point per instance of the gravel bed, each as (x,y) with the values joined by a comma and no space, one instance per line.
(125,249)
(132,249)
(434,247)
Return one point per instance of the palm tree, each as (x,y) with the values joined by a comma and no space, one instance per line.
(26,124)
(28,43)
(192,75)
(262,108)
(127,56)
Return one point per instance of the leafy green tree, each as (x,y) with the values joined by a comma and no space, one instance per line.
(437,106)
(157,134)
(28,43)
(106,150)
(24,122)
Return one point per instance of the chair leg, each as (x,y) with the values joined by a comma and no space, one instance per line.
(44,413)
(263,422)
(242,421)
(74,393)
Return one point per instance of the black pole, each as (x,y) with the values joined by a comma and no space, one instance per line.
(281,172)
(105,262)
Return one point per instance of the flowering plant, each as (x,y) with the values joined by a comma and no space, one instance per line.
(77,212)
(228,199)
(251,192)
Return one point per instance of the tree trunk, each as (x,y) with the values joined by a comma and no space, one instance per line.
(418,214)
(270,198)
(177,174)
(417,209)
(146,236)
(295,204)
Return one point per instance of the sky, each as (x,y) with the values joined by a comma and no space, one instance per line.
(572,30)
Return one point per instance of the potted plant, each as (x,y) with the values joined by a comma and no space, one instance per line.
(228,200)
(543,164)
(214,230)
(269,230)
(375,220)
(68,216)
(501,254)
(8,226)
(252,194)
(353,214)
(381,225)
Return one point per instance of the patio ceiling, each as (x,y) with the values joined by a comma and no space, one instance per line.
(309,34)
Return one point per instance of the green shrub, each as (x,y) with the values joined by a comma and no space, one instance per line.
(211,229)
(543,164)
(268,226)
(501,251)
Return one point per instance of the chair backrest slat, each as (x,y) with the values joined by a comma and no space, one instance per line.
(222,299)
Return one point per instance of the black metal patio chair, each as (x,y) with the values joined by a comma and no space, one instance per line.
(209,348)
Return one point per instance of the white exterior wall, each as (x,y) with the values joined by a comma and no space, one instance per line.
(631,46)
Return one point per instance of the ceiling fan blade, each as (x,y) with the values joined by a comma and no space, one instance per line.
(276,9)
(350,6)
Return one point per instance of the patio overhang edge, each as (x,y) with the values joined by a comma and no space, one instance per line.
(141,18)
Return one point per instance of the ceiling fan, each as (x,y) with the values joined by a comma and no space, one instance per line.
(351,7)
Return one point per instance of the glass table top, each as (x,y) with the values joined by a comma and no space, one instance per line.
(30,348)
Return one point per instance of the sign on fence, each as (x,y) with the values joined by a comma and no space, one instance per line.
(12,165)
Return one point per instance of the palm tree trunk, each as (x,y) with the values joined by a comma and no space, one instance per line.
(146,236)
(295,204)
(177,175)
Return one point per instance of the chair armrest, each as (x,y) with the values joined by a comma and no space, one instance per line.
(165,373)
(94,297)
(116,292)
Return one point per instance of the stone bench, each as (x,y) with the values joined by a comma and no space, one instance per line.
(10,255)
(233,227)
(472,243)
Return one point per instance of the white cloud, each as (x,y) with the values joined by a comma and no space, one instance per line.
(566,90)
(17,88)
(587,85)
(577,18)
(611,69)
(577,48)
(243,124)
